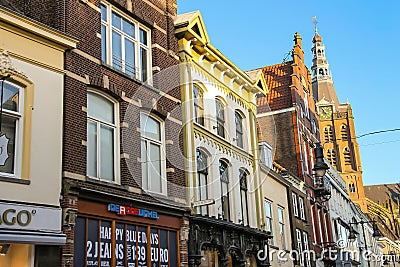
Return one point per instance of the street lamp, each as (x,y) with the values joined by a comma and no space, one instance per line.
(376,233)
(320,166)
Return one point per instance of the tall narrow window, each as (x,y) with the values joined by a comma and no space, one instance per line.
(202,173)
(244,197)
(295,208)
(239,129)
(11,128)
(281,220)
(125,43)
(347,157)
(343,131)
(220,114)
(306,249)
(152,154)
(198,105)
(268,215)
(299,246)
(328,134)
(302,211)
(102,145)
(224,178)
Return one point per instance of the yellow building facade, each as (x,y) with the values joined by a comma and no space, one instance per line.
(31,80)
(220,142)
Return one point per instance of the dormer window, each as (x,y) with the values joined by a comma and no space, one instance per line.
(265,154)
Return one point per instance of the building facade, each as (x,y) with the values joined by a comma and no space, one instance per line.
(124,197)
(336,125)
(290,107)
(32,85)
(220,142)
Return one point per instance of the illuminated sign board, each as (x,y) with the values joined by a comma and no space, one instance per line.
(125,210)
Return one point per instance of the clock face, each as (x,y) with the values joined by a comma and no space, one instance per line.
(325,113)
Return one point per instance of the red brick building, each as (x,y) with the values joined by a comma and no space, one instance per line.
(123,194)
(290,108)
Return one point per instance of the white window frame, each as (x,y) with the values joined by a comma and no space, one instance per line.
(109,28)
(163,174)
(281,223)
(295,207)
(203,210)
(302,210)
(306,249)
(299,246)
(269,220)
(19,116)
(116,138)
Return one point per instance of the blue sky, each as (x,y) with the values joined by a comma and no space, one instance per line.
(362,40)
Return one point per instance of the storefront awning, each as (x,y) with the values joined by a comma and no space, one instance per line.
(32,237)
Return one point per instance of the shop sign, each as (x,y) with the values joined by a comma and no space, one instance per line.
(135,246)
(29,217)
(125,210)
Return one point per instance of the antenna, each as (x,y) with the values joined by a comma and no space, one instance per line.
(315,22)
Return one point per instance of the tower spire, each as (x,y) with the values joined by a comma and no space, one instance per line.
(315,22)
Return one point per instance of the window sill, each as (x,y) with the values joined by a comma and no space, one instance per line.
(106,183)
(14,180)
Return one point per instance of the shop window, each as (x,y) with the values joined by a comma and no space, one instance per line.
(47,256)
(134,245)
(244,197)
(239,129)
(198,105)
(102,138)
(153,158)
(224,179)
(125,43)
(202,178)
(220,115)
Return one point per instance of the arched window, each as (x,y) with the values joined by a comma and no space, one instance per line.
(198,104)
(224,179)
(102,137)
(239,129)
(347,156)
(352,188)
(343,131)
(331,156)
(152,154)
(202,173)
(220,114)
(244,197)
(328,134)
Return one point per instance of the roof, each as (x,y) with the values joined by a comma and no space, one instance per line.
(278,79)
(183,18)
(382,192)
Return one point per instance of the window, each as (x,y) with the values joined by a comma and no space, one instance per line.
(343,131)
(243,197)
(306,249)
(152,154)
(11,129)
(198,105)
(268,215)
(299,246)
(295,209)
(281,221)
(352,188)
(224,178)
(125,44)
(265,154)
(301,204)
(202,173)
(331,156)
(220,114)
(239,129)
(347,157)
(102,138)
(328,134)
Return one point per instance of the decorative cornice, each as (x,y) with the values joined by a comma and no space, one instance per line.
(6,66)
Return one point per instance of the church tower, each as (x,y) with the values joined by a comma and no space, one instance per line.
(336,123)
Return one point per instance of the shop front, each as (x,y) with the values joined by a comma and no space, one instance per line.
(110,234)
(30,234)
